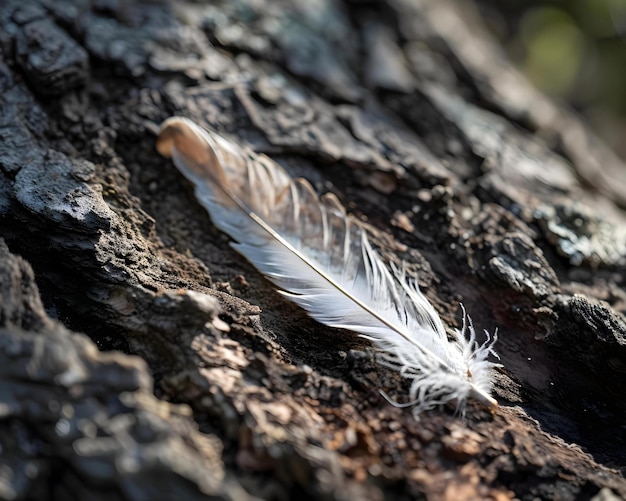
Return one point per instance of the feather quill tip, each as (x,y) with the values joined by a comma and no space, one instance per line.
(484,398)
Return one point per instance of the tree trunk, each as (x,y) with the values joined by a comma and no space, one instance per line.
(408,113)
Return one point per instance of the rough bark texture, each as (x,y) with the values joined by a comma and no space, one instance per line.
(406,111)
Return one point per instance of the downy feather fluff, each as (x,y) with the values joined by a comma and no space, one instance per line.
(320,258)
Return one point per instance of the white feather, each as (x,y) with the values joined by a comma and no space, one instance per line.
(321,259)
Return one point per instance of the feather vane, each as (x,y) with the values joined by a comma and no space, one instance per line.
(320,258)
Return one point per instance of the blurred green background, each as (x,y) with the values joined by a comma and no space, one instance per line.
(574,51)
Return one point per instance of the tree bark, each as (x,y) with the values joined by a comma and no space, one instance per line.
(407,111)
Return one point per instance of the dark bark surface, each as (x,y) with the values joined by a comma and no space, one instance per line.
(409,114)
